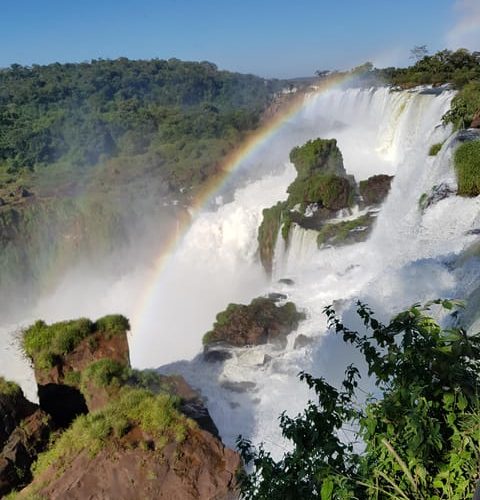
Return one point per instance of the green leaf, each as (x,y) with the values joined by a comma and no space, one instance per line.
(327,489)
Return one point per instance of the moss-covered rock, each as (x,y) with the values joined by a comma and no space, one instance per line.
(61,348)
(346,232)
(318,154)
(375,189)
(268,233)
(467,168)
(260,322)
(435,148)
(321,187)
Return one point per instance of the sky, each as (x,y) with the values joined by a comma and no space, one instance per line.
(269,38)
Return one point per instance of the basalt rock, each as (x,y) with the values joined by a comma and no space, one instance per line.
(200,468)
(375,189)
(24,433)
(260,322)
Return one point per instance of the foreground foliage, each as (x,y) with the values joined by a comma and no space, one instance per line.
(467,168)
(156,415)
(421,430)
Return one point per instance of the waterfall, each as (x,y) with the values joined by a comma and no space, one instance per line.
(412,255)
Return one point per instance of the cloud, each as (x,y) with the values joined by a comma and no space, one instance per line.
(465,33)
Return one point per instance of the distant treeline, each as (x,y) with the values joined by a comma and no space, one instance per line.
(172,111)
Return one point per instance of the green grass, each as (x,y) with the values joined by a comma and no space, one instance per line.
(156,415)
(43,343)
(467,168)
(103,373)
(435,148)
(8,388)
(114,324)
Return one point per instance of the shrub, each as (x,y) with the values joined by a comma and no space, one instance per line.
(42,342)
(113,324)
(467,168)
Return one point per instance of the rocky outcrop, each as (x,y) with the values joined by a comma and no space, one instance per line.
(200,468)
(24,433)
(139,434)
(321,188)
(375,189)
(260,322)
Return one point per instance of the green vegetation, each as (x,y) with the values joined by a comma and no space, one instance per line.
(8,388)
(84,112)
(435,148)
(464,105)
(341,233)
(272,220)
(262,315)
(112,324)
(321,179)
(317,154)
(456,67)
(104,373)
(156,415)
(43,343)
(421,429)
(467,168)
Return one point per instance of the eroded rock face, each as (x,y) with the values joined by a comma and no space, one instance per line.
(199,469)
(24,433)
(476,120)
(375,189)
(90,379)
(260,322)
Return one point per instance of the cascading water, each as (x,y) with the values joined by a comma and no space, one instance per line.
(409,257)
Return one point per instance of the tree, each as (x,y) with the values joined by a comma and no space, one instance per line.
(421,432)
(418,52)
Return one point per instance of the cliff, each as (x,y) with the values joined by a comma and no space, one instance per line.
(121,433)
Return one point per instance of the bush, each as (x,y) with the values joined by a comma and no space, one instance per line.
(467,168)
(420,432)
(42,342)
(113,324)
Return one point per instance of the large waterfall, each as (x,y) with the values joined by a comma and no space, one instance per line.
(411,256)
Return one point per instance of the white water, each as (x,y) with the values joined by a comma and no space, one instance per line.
(407,259)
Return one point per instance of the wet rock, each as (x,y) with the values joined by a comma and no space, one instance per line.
(260,322)
(212,354)
(276,297)
(286,281)
(302,341)
(436,194)
(375,189)
(239,386)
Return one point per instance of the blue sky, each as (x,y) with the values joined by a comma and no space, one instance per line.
(269,38)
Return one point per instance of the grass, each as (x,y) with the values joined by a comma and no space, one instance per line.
(8,388)
(156,415)
(43,343)
(435,148)
(467,168)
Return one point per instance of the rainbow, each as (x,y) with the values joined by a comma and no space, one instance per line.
(229,165)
